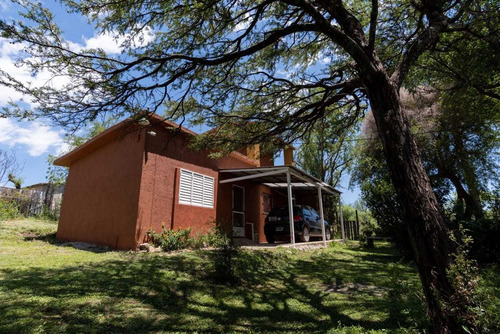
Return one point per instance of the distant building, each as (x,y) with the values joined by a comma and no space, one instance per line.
(32,200)
(45,195)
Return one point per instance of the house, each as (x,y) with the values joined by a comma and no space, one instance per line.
(35,199)
(45,195)
(131,178)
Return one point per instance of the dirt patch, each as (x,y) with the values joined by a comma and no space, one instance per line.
(86,246)
(352,288)
(32,236)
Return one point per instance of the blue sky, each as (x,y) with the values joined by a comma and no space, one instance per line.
(33,141)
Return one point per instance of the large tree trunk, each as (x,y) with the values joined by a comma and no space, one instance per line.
(428,233)
(471,206)
(470,178)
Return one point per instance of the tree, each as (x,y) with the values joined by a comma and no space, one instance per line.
(457,135)
(9,167)
(326,151)
(221,60)
(462,82)
(458,142)
(370,172)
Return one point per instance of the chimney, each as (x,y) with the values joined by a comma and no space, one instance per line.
(288,155)
(253,152)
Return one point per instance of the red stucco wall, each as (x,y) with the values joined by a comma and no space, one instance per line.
(166,153)
(101,198)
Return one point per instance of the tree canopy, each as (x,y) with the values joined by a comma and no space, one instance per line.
(280,63)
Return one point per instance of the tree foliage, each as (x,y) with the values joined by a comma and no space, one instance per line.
(9,167)
(326,152)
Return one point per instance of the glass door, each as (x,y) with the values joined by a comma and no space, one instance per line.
(238,211)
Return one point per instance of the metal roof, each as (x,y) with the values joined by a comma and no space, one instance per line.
(276,177)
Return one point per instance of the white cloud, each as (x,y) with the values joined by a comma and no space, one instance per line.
(9,53)
(36,137)
(244,23)
(110,43)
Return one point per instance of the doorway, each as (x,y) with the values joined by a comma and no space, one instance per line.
(238,211)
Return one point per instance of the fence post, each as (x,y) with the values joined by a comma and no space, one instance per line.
(357,226)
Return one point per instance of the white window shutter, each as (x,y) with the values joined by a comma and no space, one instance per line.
(196,189)
(208,192)
(185,187)
(197,192)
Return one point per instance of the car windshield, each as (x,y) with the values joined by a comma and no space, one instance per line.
(283,211)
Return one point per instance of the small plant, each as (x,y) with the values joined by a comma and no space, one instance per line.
(463,274)
(170,240)
(8,209)
(213,238)
(50,214)
(225,260)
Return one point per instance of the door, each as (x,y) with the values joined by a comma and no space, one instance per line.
(238,211)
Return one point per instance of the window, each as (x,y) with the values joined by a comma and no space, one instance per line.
(196,189)
(267,203)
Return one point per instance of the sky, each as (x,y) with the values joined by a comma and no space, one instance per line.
(34,141)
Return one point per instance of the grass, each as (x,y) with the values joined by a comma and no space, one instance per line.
(46,287)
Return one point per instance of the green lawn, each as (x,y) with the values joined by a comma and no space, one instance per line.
(49,288)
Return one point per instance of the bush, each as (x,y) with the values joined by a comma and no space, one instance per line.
(170,240)
(489,299)
(225,260)
(8,209)
(486,235)
(49,214)
(213,238)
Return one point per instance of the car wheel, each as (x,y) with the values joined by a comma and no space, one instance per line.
(306,236)
(328,236)
(270,239)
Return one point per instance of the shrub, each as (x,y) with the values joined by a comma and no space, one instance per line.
(225,259)
(489,300)
(8,209)
(213,238)
(170,240)
(485,233)
(50,214)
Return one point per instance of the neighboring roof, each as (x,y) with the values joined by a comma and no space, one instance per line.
(43,184)
(276,177)
(37,184)
(125,127)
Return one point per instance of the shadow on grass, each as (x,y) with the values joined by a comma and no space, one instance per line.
(51,238)
(176,293)
(45,237)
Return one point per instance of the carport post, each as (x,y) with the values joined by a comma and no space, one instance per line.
(341,220)
(290,206)
(320,202)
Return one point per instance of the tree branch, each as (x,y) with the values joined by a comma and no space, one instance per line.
(373,25)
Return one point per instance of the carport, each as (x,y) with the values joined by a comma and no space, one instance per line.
(288,177)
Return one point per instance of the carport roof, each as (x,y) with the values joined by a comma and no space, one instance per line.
(276,177)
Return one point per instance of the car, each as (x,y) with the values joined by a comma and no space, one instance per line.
(307,224)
